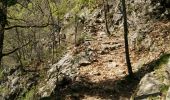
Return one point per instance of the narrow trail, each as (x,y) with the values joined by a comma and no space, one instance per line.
(106,78)
(110,60)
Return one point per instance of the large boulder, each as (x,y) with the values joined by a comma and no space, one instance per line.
(148,86)
(56,74)
(17,83)
(154,84)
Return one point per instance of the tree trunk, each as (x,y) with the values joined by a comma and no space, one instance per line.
(105,3)
(19,53)
(3,21)
(53,33)
(75,35)
(126,40)
(58,30)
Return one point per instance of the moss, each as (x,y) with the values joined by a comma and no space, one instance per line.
(153,98)
(4,90)
(130,9)
(82,38)
(30,95)
(162,60)
(164,88)
(1,74)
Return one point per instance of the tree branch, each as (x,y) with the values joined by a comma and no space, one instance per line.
(31,26)
(17,19)
(16,49)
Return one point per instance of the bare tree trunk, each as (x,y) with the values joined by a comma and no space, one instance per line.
(126,40)
(19,54)
(3,22)
(53,38)
(105,3)
(75,35)
(58,30)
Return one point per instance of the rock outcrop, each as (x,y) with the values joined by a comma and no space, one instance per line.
(154,85)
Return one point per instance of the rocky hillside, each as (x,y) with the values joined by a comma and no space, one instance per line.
(96,68)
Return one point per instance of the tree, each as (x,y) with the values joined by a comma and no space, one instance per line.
(3,22)
(17,18)
(126,40)
(106,10)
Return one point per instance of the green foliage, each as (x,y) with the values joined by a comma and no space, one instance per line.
(80,3)
(81,39)
(164,88)
(11,2)
(60,51)
(4,89)
(1,73)
(162,60)
(130,9)
(153,98)
(37,12)
(30,95)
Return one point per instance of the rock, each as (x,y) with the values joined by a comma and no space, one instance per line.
(87,43)
(66,67)
(168,94)
(105,48)
(56,74)
(148,86)
(68,16)
(99,21)
(119,72)
(87,57)
(84,13)
(111,64)
(166,80)
(84,62)
(117,18)
(14,82)
(104,52)
(97,13)
(102,34)
(168,67)
(64,63)
(97,74)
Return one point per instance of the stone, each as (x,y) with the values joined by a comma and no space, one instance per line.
(117,18)
(100,20)
(111,64)
(105,48)
(14,82)
(119,72)
(168,94)
(84,62)
(57,72)
(102,34)
(148,86)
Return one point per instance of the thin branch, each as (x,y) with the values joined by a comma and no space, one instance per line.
(25,7)
(31,26)
(17,19)
(16,49)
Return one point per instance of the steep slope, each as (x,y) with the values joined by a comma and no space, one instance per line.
(96,69)
(106,77)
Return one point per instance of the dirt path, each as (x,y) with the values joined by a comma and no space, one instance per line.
(106,79)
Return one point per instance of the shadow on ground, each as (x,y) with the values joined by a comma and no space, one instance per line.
(107,89)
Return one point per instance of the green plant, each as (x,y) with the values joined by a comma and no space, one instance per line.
(80,40)
(1,73)
(162,60)
(4,89)
(30,95)
(164,88)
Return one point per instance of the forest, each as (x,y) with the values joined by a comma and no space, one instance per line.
(84,49)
